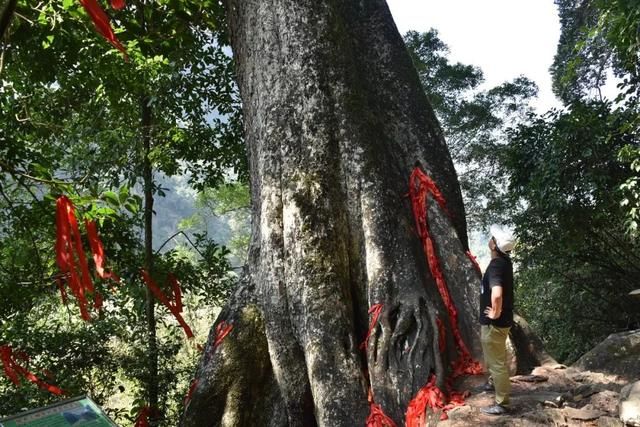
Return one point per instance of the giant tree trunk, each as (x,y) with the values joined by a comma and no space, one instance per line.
(335,119)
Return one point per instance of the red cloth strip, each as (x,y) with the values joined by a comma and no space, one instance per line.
(117,4)
(142,420)
(97,249)
(192,387)
(474,260)
(63,291)
(102,23)
(429,396)
(164,300)
(375,309)
(177,294)
(8,364)
(222,330)
(69,253)
(377,417)
(12,370)
(420,187)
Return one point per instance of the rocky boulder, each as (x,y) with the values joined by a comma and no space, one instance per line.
(619,354)
(630,404)
(525,348)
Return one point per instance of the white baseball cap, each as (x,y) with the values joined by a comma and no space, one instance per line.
(505,239)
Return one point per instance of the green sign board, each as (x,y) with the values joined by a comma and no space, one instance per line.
(76,412)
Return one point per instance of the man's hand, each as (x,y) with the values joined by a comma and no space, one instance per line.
(492,313)
(495,309)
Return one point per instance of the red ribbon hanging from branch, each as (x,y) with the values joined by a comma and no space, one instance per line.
(98,252)
(103,23)
(71,258)
(13,370)
(173,307)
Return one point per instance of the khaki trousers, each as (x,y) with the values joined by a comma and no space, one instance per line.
(494,348)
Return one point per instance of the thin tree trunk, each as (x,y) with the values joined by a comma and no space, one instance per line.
(147,176)
(335,120)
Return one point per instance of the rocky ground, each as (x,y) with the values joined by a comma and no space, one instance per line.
(552,395)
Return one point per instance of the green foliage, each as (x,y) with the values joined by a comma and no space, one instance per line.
(597,36)
(231,201)
(70,110)
(576,264)
(474,121)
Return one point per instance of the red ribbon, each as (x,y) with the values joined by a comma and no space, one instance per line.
(222,330)
(429,396)
(375,309)
(192,387)
(142,420)
(173,307)
(377,417)
(13,370)
(70,255)
(474,261)
(98,252)
(420,187)
(102,22)
(117,4)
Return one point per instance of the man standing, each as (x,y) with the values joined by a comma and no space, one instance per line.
(496,316)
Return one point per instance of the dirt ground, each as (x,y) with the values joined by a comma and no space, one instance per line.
(550,396)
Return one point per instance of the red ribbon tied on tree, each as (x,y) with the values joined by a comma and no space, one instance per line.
(174,307)
(375,309)
(421,186)
(222,330)
(13,370)
(377,417)
(102,21)
(429,396)
(71,258)
(98,252)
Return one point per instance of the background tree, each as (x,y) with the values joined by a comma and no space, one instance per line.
(474,122)
(80,121)
(572,194)
(576,263)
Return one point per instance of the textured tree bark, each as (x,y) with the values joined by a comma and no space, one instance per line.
(335,119)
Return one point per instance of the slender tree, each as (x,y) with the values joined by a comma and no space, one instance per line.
(335,120)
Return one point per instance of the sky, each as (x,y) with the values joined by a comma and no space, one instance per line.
(505,38)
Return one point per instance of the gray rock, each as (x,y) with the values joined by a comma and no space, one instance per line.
(630,404)
(582,414)
(618,354)
(554,417)
(460,412)
(609,422)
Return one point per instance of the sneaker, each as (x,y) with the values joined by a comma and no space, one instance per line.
(486,387)
(494,410)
